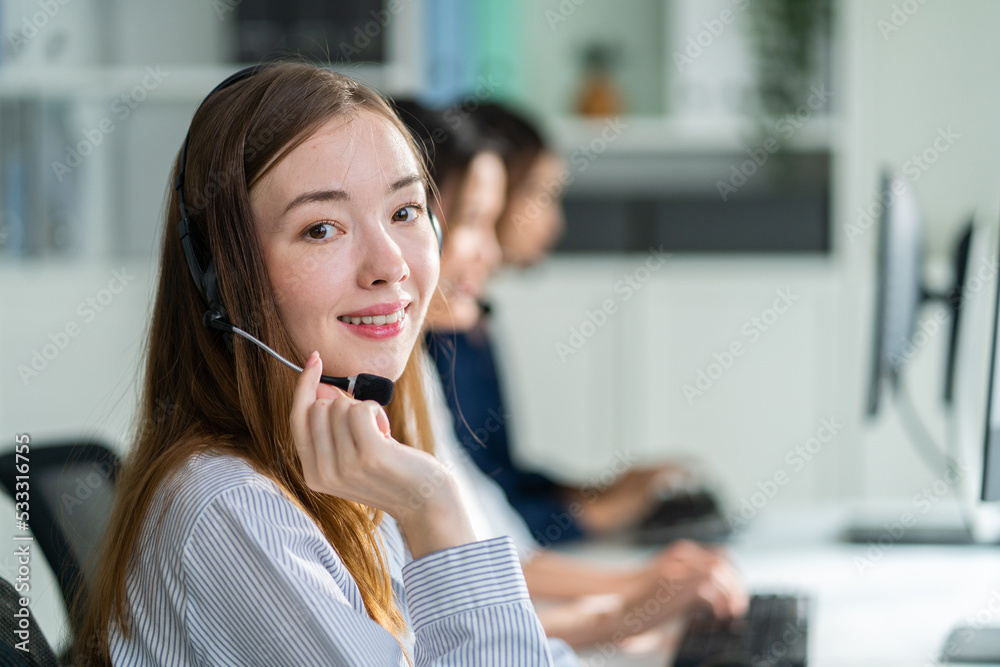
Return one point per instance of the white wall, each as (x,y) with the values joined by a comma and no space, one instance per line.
(659,381)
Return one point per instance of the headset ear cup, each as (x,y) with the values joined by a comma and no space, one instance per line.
(211,287)
(210,283)
(438,232)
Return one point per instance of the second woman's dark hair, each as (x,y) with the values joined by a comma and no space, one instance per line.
(520,139)
(450,138)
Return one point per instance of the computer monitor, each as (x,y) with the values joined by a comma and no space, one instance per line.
(990,484)
(900,295)
(899,291)
(976,405)
(976,414)
(953,299)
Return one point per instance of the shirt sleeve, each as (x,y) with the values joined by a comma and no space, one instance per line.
(264,587)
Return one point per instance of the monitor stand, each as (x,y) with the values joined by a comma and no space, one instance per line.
(940,524)
(972,645)
(912,535)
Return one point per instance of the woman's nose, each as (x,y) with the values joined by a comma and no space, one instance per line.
(490,253)
(382,259)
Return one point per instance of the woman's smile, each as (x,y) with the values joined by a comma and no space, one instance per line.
(384,320)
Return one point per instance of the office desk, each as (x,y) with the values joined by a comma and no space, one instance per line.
(871,609)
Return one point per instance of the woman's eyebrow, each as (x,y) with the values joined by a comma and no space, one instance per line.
(316,196)
(404,182)
(339,195)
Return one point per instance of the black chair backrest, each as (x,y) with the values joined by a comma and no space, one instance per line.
(21,641)
(71,494)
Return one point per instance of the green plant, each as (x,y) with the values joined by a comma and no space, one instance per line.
(790,38)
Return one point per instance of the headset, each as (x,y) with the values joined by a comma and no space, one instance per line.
(363,386)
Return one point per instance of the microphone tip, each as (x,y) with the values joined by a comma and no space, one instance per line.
(368,387)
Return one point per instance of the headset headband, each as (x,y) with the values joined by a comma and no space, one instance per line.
(205,278)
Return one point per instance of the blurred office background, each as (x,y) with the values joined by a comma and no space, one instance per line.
(745,139)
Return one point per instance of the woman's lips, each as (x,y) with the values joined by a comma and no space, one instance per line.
(380,309)
(378,331)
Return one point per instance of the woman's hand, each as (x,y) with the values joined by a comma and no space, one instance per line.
(347,450)
(626,502)
(681,578)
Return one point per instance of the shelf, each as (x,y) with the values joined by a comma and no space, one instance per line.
(679,135)
(178,83)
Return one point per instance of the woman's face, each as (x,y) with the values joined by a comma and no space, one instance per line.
(533,221)
(472,204)
(350,252)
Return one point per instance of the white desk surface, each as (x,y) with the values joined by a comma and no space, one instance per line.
(894,612)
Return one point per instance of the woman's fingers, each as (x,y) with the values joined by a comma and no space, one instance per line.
(343,440)
(721,588)
(726,579)
(371,444)
(729,582)
(682,551)
(382,420)
(710,577)
(324,449)
(364,419)
(303,397)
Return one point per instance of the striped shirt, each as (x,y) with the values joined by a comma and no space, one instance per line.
(238,575)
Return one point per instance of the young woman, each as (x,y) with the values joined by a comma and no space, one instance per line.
(639,598)
(266,518)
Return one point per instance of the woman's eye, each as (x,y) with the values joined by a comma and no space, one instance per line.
(321,231)
(406,214)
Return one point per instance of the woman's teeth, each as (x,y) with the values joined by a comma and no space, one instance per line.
(377,320)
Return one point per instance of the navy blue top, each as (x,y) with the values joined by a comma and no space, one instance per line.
(473,390)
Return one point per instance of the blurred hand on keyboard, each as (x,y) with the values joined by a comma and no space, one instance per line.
(682,578)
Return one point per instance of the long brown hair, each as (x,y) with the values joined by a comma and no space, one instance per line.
(221,393)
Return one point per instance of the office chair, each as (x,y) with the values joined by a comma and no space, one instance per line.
(71,493)
(39,653)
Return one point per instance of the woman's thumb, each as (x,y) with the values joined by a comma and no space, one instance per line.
(382,420)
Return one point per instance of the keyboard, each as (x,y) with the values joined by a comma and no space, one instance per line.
(773,633)
(685,515)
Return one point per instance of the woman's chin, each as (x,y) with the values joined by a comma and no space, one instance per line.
(351,360)
(392,371)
